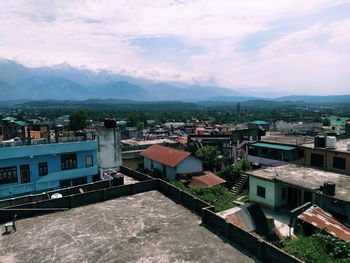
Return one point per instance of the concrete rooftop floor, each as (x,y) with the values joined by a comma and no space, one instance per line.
(146,227)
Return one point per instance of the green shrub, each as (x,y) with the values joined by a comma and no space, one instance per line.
(320,247)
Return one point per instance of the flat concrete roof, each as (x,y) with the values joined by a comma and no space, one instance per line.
(132,142)
(341,146)
(291,140)
(146,227)
(305,177)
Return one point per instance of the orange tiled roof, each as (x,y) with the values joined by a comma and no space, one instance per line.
(165,155)
(208,179)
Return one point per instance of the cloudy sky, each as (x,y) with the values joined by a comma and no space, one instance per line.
(270,46)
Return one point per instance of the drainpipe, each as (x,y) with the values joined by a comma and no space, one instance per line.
(29,139)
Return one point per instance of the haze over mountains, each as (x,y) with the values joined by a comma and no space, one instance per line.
(64,82)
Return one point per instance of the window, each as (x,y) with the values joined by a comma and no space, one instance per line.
(316,160)
(43,169)
(301,153)
(339,163)
(261,191)
(284,193)
(68,161)
(89,161)
(8,175)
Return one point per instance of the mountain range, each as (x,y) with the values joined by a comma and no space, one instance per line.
(62,82)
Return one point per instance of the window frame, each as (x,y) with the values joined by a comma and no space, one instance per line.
(69,161)
(340,159)
(42,165)
(261,191)
(6,172)
(88,165)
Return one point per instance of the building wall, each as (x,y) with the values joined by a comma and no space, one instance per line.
(150,165)
(328,159)
(338,208)
(170,173)
(270,191)
(279,201)
(276,154)
(109,152)
(50,153)
(190,165)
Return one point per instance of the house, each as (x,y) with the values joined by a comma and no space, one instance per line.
(274,151)
(35,168)
(291,186)
(170,161)
(207,179)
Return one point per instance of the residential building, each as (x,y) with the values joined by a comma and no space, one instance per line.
(170,162)
(35,168)
(275,151)
(292,185)
(334,157)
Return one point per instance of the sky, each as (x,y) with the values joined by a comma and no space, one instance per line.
(253,46)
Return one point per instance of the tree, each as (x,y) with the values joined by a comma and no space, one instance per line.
(326,122)
(78,120)
(209,156)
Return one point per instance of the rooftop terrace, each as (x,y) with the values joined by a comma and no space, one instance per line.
(146,227)
(340,146)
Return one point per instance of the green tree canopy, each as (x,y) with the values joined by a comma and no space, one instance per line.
(209,156)
(78,120)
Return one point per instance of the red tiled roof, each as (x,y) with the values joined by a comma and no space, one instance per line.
(165,155)
(208,179)
(322,220)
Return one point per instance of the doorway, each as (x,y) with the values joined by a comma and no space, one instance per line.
(25,174)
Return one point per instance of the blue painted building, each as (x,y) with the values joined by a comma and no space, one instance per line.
(38,168)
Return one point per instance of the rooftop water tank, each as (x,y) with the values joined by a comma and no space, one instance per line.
(331,142)
(320,141)
(329,188)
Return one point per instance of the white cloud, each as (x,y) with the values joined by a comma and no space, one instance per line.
(98,33)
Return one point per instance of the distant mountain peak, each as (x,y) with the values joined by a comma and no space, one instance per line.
(64,65)
(7,61)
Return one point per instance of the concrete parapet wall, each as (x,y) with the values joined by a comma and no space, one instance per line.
(254,244)
(182,197)
(135,174)
(45,196)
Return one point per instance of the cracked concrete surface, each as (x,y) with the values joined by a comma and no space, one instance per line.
(146,227)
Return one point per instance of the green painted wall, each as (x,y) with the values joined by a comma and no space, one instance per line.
(278,195)
(273,197)
(269,199)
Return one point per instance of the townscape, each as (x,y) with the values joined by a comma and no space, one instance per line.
(187,131)
(283,182)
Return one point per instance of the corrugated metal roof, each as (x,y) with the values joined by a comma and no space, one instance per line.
(322,220)
(8,119)
(273,146)
(20,123)
(165,155)
(259,122)
(207,180)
